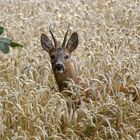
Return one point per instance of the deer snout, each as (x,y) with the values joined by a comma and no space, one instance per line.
(59,67)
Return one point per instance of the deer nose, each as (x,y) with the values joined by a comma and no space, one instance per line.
(59,67)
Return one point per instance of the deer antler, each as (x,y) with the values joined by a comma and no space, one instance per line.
(55,42)
(65,38)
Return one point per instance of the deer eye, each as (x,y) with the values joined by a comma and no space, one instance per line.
(52,57)
(66,57)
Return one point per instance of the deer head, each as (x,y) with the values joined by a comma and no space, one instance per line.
(61,57)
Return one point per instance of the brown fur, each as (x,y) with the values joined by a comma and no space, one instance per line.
(69,73)
(61,58)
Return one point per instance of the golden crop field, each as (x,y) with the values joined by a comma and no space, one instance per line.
(107,61)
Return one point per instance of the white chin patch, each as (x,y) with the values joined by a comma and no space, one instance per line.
(59,71)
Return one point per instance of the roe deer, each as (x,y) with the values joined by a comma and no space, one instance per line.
(61,58)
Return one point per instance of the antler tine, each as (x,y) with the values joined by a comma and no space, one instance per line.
(55,42)
(65,38)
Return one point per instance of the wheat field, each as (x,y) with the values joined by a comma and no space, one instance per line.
(107,61)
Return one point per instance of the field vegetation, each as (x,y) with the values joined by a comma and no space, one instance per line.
(107,60)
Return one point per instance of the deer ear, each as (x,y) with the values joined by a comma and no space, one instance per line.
(72,42)
(46,43)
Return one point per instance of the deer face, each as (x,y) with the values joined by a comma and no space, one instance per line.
(60,55)
(59,58)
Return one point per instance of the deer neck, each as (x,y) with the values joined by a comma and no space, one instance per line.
(61,78)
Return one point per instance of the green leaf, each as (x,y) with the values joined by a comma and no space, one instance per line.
(4,47)
(1,30)
(14,45)
(4,44)
(5,40)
